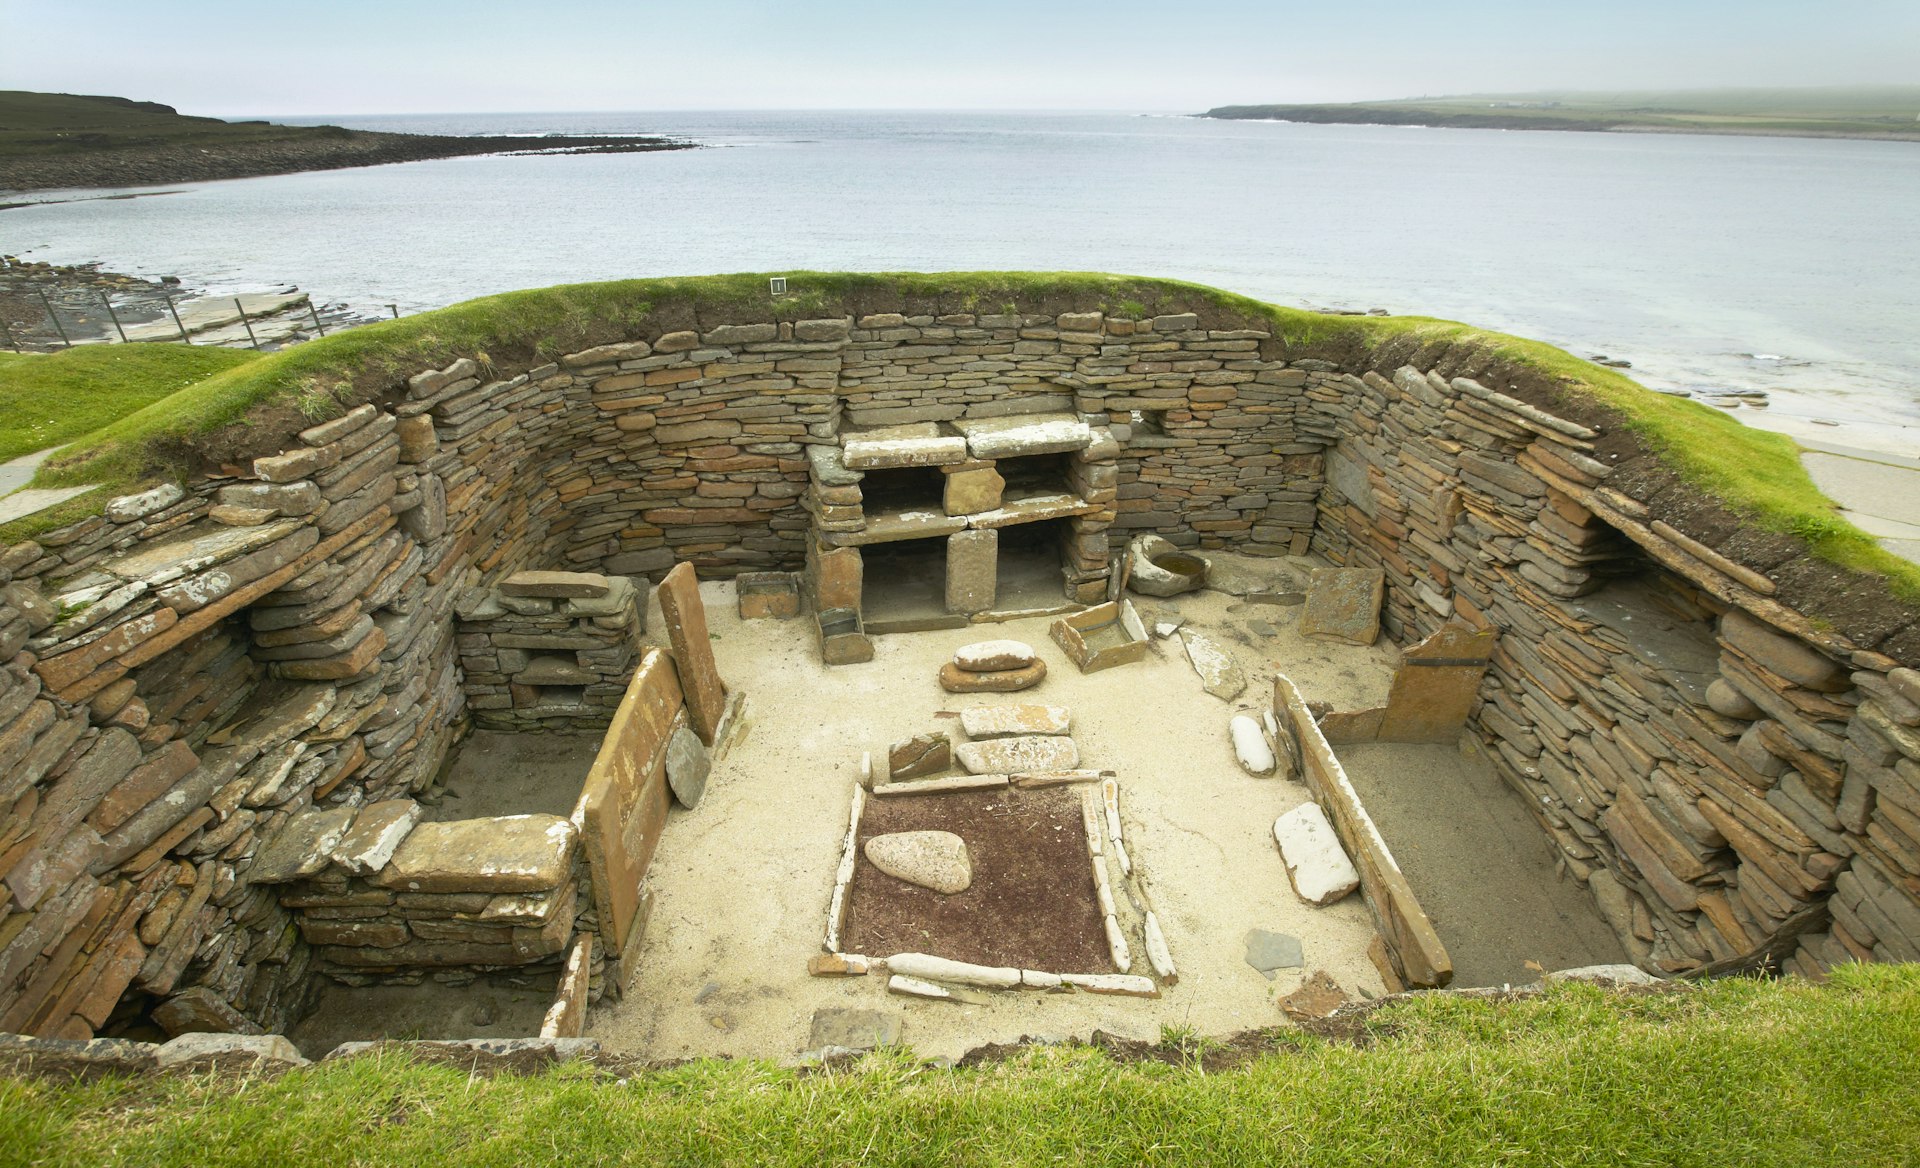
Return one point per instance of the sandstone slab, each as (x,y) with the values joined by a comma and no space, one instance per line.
(845,1028)
(303,847)
(971,491)
(555,585)
(1316,863)
(688,764)
(989,656)
(973,559)
(954,679)
(686,619)
(1017,721)
(1343,604)
(923,754)
(1270,952)
(930,859)
(1013,437)
(1004,756)
(509,853)
(1218,674)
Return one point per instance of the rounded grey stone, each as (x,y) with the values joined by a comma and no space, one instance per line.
(687,765)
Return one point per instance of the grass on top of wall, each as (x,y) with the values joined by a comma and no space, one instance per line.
(1734,1072)
(1754,472)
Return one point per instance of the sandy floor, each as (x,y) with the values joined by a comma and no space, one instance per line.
(741,883)
(1482,868)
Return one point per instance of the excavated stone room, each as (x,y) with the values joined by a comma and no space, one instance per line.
(769,681)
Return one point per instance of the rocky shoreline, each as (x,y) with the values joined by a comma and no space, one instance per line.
(127,166)
(1601,123)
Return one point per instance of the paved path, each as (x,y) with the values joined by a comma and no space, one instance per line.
(1877,491)
(16,503)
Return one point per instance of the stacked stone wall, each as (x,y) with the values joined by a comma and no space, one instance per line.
(187,673)
(1734,785)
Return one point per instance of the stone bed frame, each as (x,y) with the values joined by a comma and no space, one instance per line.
(183,676)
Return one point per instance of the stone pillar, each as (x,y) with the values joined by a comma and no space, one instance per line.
(973,562)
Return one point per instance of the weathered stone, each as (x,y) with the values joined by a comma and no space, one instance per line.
(1317,997)
(1344,604)
(990,656)
(838,965)
(1317,865)
(1218,674)
(165,561)
(512,853)
(555,585)
(1020,435)
(1002,756)
(296,498)
(688,764)
(1787,656)
(1270,952)
(555,670)
(231,516)
(1017,721)
(229,1051)
(967,492)
(1436,685)
(376,834)
(1250,745)
(954,679)
(847,1029)
(686,619)
(198,1010)
(128,508)
(917,444)
(942,969)
(923,754)
(973,559)
(303,847)
(930,859)
(1158,568)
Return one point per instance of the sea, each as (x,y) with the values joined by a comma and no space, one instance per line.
(1713,264)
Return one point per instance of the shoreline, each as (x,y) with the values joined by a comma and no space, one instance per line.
(1427,119)
(135,166)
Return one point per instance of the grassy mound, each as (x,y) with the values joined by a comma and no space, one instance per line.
(1757,474)
(1733,1072)
(51,399)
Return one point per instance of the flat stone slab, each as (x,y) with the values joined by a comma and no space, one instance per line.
(1019,435)
(1005,756)
(930,859)
(918,444)
(303,847)
(556,585)
(1218,674)
(1270,952)
(953,679)
(688,764)
(1317,865)
(207,548)
(1344,604)
(1017,721)
(509,853)
(228,1050)
(828,470)
(376,834)
(988,656)
(842,1028)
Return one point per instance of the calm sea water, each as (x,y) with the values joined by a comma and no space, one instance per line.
(1789,265)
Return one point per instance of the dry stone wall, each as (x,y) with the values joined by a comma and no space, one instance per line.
(1731,782)
(186,676)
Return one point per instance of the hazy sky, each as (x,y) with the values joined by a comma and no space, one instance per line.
(226,57)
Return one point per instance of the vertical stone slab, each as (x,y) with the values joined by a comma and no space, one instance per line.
(623,803)
(686,618)
(973,563)
(1344,604)
(1436,684)
(837,578)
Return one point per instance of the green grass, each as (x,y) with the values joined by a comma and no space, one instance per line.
(1732,1073)
(38,125)
(1754,472)
(51,399)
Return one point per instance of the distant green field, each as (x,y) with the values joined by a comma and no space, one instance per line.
(1886,111)
(52,124)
